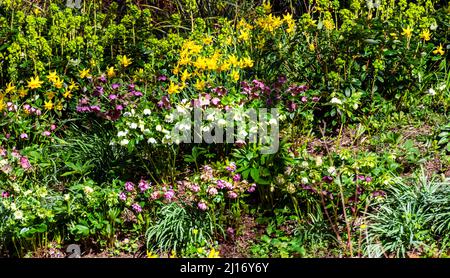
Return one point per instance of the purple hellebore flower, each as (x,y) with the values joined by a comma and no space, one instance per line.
(315,99)
(119,107)
(5,194)
(164,102)
(129,186)
(220,184)
(327,179)
(24,136)
(229,185)
(162,78)
(137,208)
(304,99)
(131,86)
(252,188)
(112,96)
(378,193)
(282,79)
(237,177)
(52,127)
(95,108)
(368,179)
(291,106)
(195,188)
(169,195)
(231,167)
(138,94)
(46,133)
(115,86)
(102,79)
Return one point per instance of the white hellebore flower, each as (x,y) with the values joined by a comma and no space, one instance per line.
(151,141)
(431,91)
(221,122)
(273,121)
(133,125)
(147,112)
(124,142)
(336,101)
(158,128)
(122,133)
(88,190)
(18,214)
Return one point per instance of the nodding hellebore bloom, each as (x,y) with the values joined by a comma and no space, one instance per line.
(137,208)
(122,196)
(143,185)
(202,206)
(129,186)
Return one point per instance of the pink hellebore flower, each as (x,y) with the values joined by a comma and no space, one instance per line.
(129,186)
(143,185)
(202,206)
(122,196)
(136,207)
(25,163)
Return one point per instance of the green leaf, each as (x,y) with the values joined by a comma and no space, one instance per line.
(255,174)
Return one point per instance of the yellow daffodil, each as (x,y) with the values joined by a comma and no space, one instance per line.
(50,95)
(439,50)
(213,253)
(34,83)
(125,61)
(59,106)
(173,88)
(207,40)
(244,35)
(23,93)
(84,73)
(233,60)
(173,254)
(185,75)
(225,66)
(2,105)
(425,35)
(52,76)
(184,60)
(234,75)
(48,105)
(200,85)
(58,83)
(67,94)
(110,72)
(328,24)
(176,70)
(72,86)
(247,62)
(150,255)
(267,7)
(407,32)
(287,18)
(10,88)
(311,47)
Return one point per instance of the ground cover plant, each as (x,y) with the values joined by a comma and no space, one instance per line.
(200,129)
